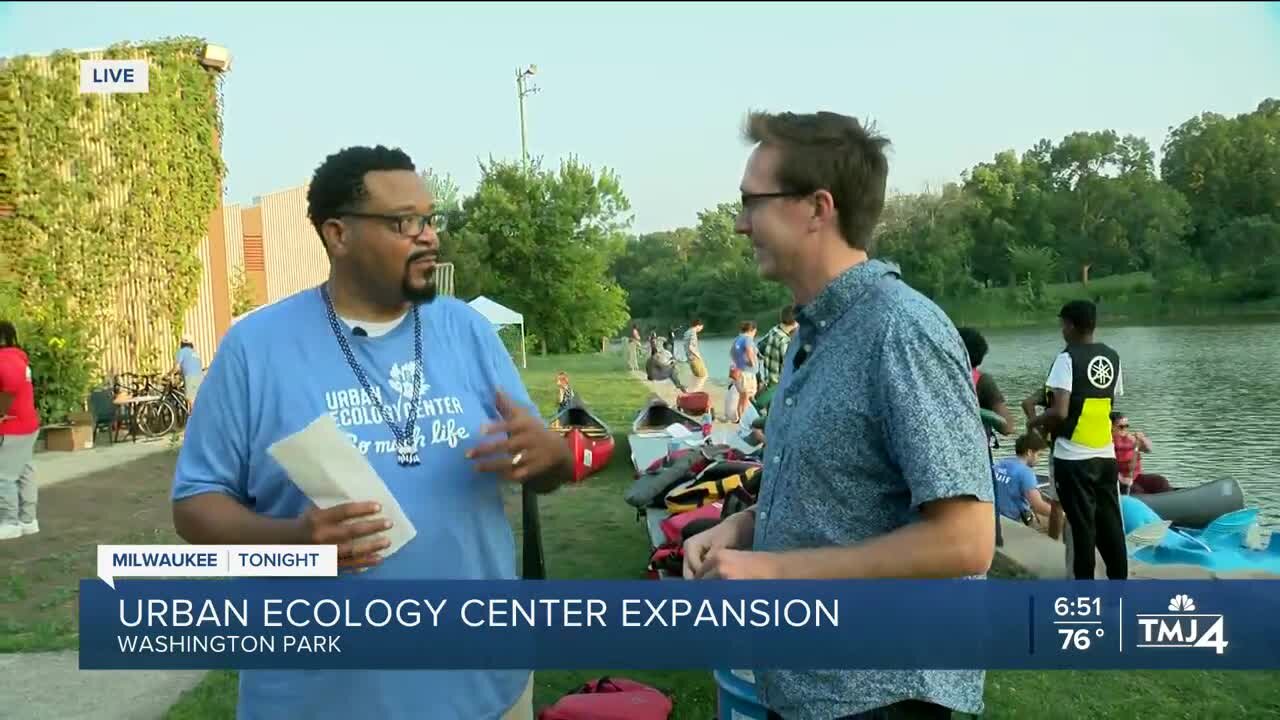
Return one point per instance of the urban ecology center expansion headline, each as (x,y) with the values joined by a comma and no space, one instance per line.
(283,607)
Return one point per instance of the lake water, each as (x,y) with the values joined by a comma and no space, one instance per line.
(1207,396)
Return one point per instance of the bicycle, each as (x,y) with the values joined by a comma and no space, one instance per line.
(158,404)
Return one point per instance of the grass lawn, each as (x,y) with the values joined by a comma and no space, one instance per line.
(589,532)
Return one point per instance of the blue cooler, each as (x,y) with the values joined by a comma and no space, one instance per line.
(736,698)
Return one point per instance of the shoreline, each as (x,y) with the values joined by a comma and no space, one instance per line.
(992,315)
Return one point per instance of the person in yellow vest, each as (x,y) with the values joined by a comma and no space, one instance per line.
(1084,381)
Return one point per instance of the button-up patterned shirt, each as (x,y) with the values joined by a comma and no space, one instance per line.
(879,418)
(773,349)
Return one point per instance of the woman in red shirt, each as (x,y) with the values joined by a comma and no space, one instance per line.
(19,425)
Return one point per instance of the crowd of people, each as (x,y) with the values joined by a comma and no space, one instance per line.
(1089,444)
(1094,457)
(755,368)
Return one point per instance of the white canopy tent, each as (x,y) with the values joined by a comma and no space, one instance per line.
(500,316)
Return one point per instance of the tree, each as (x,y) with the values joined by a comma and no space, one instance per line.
(472,275)
(444,190)
(708,272)
(653,269)
(929,236)
(547,240)
(1226,169)
(1089,205)
(724,286)
(1250,254)
(1010,206)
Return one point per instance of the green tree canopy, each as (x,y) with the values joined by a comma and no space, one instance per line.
(542,242)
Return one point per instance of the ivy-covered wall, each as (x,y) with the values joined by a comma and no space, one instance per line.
(111,196)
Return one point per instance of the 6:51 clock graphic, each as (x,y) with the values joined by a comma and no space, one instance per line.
(1084,608)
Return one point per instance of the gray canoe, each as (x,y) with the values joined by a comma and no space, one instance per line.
(649,437)
(1196,507)
(1193,507)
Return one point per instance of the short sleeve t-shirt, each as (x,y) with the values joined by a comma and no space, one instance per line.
(1060,379)
(1013,480)
(15,379)
(189,362)
(739,353)
(256,392)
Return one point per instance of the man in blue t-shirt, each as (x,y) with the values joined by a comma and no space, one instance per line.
(422,386)
(187,363)
(1017,492)
(744,366)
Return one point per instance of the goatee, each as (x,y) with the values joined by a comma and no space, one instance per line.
(424,294)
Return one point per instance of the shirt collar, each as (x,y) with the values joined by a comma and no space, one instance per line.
(840,294)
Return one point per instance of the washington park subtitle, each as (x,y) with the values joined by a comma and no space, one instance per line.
(479,613)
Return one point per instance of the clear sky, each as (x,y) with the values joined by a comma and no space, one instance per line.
(657,91)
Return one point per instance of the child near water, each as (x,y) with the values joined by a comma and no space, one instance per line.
(564,392)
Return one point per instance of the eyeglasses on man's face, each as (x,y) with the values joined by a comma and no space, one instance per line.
(412,224)
(749,198)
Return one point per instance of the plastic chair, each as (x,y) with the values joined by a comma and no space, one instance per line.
(105,412)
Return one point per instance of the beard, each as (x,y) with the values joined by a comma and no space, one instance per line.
(424,293)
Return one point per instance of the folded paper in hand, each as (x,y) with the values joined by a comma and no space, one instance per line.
(329,470)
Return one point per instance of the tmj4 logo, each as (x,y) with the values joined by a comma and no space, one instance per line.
(1182,627)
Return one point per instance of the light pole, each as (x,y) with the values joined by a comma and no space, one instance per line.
(535,567)
(523,89)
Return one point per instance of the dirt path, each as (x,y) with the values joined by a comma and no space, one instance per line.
(666,390)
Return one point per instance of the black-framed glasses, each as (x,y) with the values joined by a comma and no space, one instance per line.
(412,224)
(748,198)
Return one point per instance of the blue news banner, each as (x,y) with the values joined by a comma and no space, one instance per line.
(887,624)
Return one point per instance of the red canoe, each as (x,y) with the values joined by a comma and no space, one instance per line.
(588,437)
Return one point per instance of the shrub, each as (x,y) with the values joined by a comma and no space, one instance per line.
(61,353)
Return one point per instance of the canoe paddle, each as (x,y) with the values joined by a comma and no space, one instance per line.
(534,564)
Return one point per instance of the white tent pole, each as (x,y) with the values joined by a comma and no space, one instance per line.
(524,358)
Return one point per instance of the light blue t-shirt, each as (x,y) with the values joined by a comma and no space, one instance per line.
(739,353)
(1013,480)
(189,362)
(279,369)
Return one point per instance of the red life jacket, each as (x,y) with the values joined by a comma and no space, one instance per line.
(1126,449)
(976,374)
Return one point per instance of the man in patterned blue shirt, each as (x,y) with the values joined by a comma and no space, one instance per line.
(876,463)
